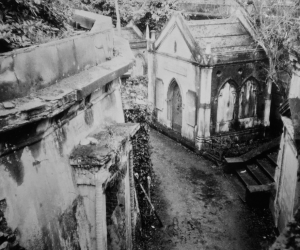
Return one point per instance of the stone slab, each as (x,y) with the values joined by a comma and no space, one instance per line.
(104,143)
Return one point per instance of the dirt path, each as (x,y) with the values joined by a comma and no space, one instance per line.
(198,205)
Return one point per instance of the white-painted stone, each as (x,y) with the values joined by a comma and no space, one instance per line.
(286,182)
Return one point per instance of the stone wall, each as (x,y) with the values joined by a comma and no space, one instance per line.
(53,96)
(285,203)
(51,62)
(36,179)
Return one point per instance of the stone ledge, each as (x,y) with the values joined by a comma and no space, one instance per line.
(54,99)
(102,144)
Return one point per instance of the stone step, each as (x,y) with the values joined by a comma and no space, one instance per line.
(246,177)
(273,157)
(259,174)
(267,166)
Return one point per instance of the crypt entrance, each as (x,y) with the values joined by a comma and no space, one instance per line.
(175,106)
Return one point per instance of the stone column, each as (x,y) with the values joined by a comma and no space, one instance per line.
(151,70)
(204,106)
(101,227)
(268,104)
(151,78)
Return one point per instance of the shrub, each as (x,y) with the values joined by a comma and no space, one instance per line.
(27,22)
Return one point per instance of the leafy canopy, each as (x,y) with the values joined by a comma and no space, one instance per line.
(153,12)
(26,22)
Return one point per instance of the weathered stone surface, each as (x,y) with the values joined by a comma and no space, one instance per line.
(6,63)
(85,52)
(39,133)
(36,178)
(8,81)
(42,70)
(54,61)
(54,99)
(88,153)
(8,105)
(67,58)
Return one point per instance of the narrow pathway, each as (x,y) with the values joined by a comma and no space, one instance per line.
(199,206)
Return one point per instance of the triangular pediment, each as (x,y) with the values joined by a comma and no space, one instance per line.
(175,44)
(177,31)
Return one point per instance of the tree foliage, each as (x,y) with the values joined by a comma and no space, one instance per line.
(26,22)
(276,25)
(153,12)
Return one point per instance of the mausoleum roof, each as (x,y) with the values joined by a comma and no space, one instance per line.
(223,35)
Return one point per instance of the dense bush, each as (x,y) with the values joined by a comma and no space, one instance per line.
(141,142)
(153,12)
(26,22)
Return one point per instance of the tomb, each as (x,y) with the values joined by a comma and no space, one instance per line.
(207,80)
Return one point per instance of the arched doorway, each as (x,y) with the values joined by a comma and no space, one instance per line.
(175,106)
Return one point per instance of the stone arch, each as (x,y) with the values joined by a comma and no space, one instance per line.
(140,66)
(231,82)
(174,105)
(226,100)
(248,98)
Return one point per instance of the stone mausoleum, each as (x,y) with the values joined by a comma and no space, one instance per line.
(138,45)
(207,80)
(63,142)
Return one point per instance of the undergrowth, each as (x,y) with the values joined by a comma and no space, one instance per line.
(27,22)
(143,170)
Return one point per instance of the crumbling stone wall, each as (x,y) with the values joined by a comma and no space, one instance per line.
(116,216)
(8,237)
(36,179)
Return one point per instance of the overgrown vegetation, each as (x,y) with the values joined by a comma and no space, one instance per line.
(27,22)
(276,30)
(153,12)
(142,159)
